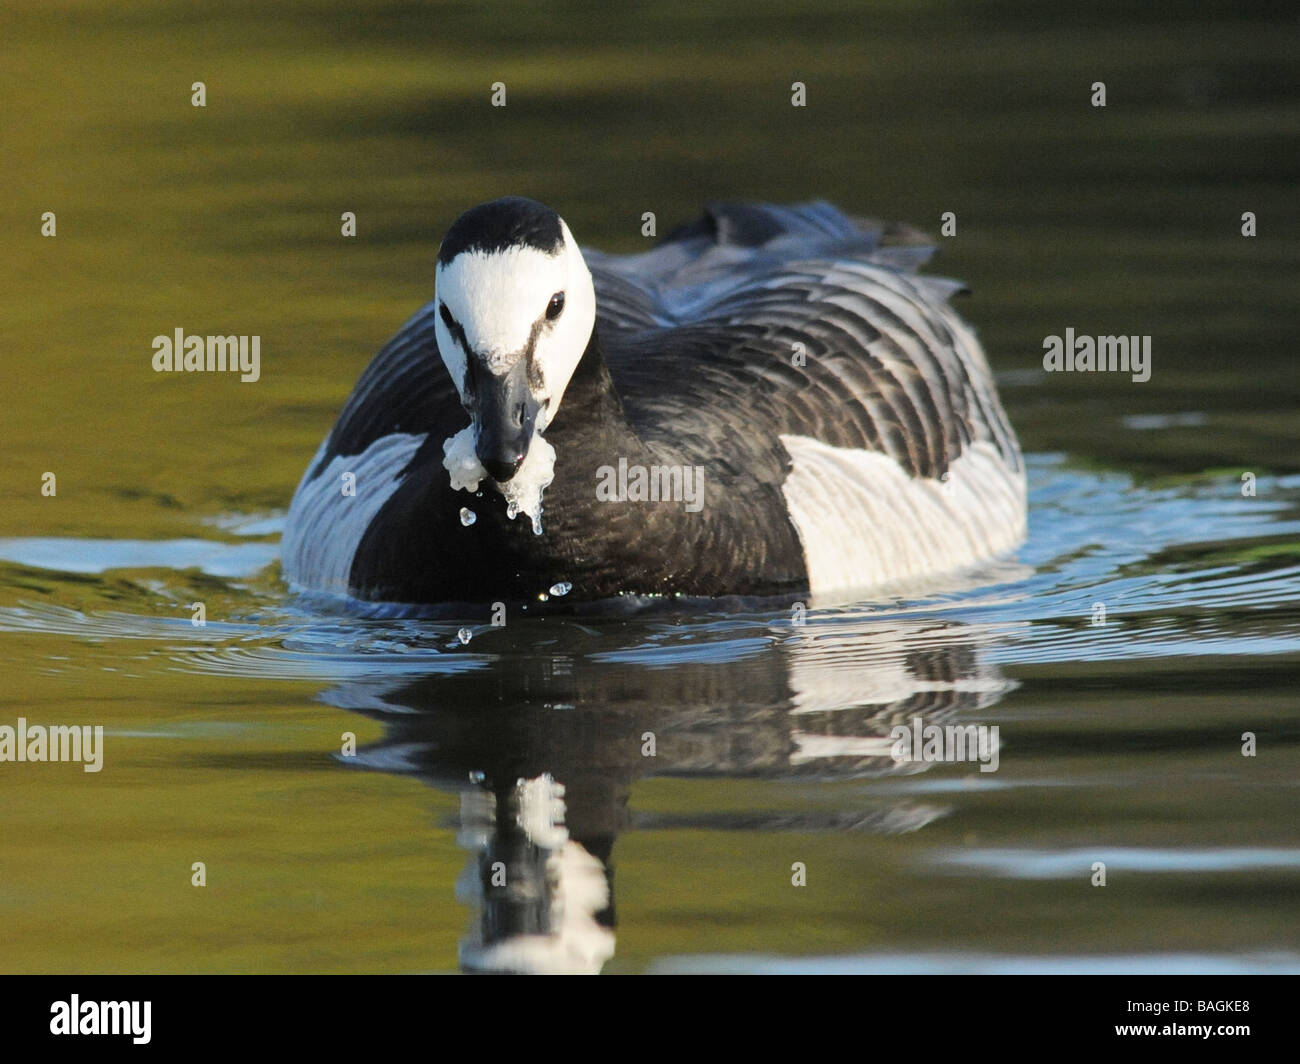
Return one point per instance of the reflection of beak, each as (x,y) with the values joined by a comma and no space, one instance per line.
(505,413)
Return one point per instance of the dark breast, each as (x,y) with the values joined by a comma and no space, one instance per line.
(417,549)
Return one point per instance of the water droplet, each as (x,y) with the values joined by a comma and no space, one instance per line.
(543,597)
(562,588)
(512,509)
(467,516)
(537,523)
(464,635)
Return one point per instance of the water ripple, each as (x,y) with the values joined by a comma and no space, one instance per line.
(1077,863)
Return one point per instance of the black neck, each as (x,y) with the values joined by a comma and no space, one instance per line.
(590,402)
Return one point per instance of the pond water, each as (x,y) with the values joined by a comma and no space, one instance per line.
(651,784)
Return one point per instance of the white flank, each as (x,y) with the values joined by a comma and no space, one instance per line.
(865,521)
(523,491)
(325,526)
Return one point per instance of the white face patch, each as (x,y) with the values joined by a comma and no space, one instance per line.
(499,301)
(498,298)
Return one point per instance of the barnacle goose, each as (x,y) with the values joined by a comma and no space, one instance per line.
(835,418)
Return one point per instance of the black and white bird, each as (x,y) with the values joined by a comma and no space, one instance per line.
(771,402)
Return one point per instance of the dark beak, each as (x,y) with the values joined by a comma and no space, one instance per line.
(505,415)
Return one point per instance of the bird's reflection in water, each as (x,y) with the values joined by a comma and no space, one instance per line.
(543,899)
(546,727)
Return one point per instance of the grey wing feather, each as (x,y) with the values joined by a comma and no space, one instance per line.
(799,321)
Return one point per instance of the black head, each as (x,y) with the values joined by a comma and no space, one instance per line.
(504,223)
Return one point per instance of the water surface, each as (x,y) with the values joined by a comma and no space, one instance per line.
(1121,736)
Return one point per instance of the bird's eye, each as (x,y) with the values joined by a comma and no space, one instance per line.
(554,307)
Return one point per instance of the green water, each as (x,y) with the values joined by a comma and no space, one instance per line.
(1121,742)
